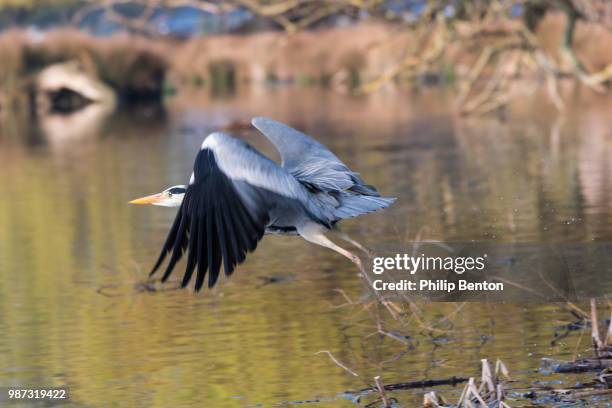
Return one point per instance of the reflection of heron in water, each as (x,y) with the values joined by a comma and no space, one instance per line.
(236,194)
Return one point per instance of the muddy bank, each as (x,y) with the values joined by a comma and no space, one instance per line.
(352,55)
(346,58)
(133,68)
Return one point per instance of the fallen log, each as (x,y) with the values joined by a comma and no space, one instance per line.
(579,366)
(418,384)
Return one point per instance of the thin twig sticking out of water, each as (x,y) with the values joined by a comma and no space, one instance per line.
(381,390)
(608,339)
(597,342)
(489,393)
(338,363)
(600,344)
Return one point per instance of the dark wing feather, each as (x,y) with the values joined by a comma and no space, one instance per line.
(169,241)
(201,260)
(214,224)
(193,248)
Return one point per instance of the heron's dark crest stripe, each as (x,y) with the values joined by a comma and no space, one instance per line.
(177,190)
(213,225)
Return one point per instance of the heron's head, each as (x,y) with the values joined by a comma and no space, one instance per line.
(170,197)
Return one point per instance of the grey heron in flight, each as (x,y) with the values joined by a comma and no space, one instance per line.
(236,195)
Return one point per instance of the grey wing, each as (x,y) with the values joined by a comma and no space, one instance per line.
(316,166)
(309,161)
(226,208)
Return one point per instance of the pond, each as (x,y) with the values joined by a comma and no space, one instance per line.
(74,254)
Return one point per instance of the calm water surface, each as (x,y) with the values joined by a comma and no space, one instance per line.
(73,253)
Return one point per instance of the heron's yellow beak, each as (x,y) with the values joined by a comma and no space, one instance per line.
(150,199)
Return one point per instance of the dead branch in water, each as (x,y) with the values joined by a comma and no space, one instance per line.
(602,362)
(601,347)
(510,51)
(420,384)
(491,388)
(338,363)
(598,344)
(381,390)
(579,366)
(490,391)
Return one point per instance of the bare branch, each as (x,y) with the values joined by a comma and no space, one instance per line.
(381,390)
(338,363)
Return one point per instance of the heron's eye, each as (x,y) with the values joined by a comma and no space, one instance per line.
(169,194)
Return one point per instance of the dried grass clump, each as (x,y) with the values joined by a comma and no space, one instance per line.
(488,393)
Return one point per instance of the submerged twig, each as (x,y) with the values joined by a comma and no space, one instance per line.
(338,363)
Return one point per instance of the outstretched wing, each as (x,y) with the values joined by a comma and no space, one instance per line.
(339,189)
(309,161)
(225,209)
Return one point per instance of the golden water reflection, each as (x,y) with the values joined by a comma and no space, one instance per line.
(72,250)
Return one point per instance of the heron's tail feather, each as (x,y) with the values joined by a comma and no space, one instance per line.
(353,205)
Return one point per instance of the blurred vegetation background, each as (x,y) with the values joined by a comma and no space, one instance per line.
(488,51)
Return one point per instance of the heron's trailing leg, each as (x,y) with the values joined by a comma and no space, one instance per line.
(344,236)
(314,233)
